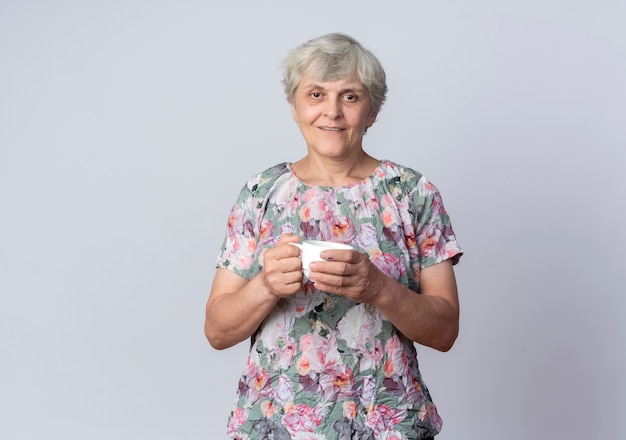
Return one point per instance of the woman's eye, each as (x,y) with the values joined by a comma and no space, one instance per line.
(316,95)
(350,97)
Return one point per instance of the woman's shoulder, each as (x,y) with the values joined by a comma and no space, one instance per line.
(402,181)
(261,182)
(398,174)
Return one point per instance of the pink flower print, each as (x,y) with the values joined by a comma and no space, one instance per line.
(261,379)
(279,345)
(371,207)
(428,411)
(397,363)
(300,307)
(387,201)
(343,229)
(303,418)
(336,382)
(282,352)
(303,365)
(368,392)
(395,204)
(267,408)
(303,302)
(342,378)
(388,218)
(283,393)
(424,187)
(325,228)
(238,418)
(317,354)
(314,205)
(390,265)
(349,409)
(286,352)
(343,382)
(288,228)
(287,200)
(374,354)
(236,223)
(410,240)
(366,239)
(307,341)
(242,259)
(428,240)
(388,368)
(393,343)
(383,418)
(327,386)
(305,214)
(266,230)
(328,350)
(257,381)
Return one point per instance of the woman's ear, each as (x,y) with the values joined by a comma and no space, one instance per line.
(371,119)
(293,112)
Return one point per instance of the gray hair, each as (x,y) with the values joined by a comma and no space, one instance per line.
(332,57)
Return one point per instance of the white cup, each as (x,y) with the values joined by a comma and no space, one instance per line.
(310,251)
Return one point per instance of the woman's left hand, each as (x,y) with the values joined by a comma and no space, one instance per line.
(348,273)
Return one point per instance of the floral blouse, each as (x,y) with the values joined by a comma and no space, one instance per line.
(322,366)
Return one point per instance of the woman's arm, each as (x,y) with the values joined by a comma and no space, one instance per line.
(430,318)
(236,307)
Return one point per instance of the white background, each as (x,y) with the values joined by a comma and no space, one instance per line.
(128,127)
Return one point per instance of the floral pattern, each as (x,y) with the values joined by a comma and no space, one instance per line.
(321,366)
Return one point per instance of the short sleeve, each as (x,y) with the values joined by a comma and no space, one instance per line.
(246,232)
(435,238)
(239,246)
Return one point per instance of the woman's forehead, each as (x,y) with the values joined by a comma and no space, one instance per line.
(324,83)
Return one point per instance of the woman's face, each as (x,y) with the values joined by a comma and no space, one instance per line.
(332,116)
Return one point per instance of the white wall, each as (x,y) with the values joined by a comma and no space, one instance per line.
(128,127)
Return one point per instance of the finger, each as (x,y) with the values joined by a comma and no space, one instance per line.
(288,238)
(332,284)
(278,280)
(349,256)
(332,267)
(289,265)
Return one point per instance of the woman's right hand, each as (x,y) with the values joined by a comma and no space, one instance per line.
(236,306)
(282,268)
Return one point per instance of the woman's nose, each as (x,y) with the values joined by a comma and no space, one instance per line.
(332,108)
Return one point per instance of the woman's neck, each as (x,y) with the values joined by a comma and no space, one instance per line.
(323,171)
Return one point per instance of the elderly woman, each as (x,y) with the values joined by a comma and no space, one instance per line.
(332,354)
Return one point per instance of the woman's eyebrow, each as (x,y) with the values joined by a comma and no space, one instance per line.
(350,88)
(357,89)
(309,86)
